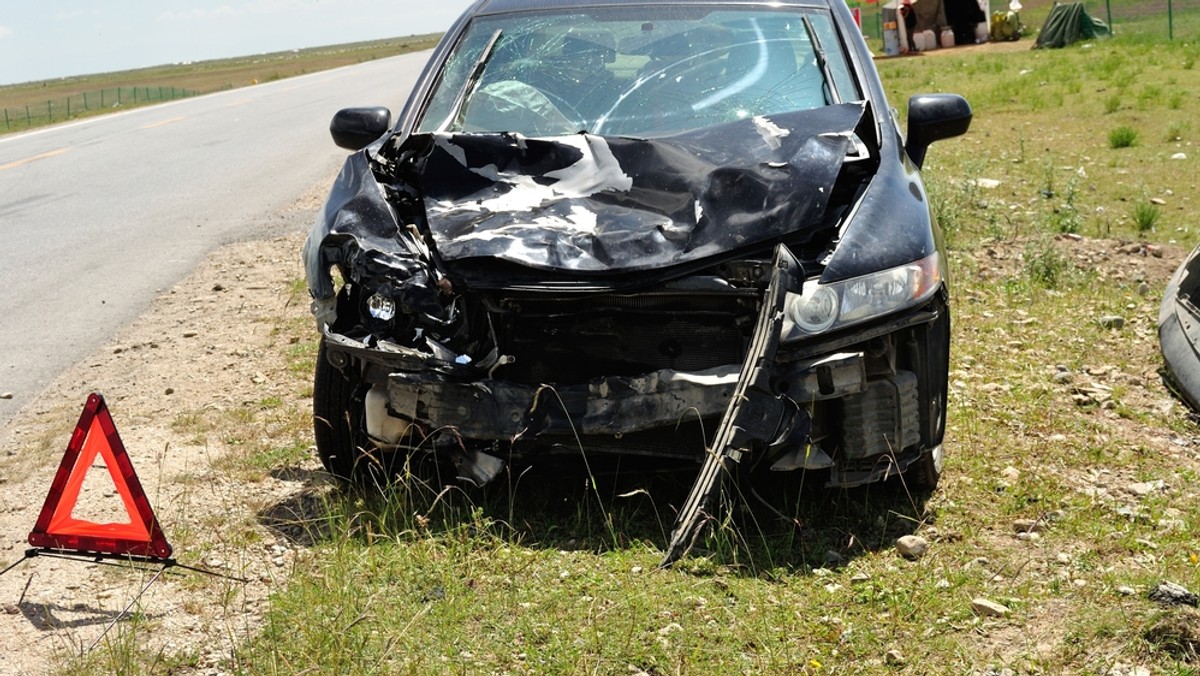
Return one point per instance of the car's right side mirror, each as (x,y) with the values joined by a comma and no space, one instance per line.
(933,117)
(356,128)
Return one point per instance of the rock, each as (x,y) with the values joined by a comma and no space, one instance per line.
(1179,156)
(912,547)
(1147,487)
(833,558)
(6,395)
(987,608)
(1159,201)
(1112,322)
(1027,525)
(1063,377)
(169,390)
(218,287)
(894,657)
(190,334)
(1126,590)
(860,577)
(1144,289)
(636,570)
(1171,594)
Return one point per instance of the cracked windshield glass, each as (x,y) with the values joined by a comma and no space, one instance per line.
(661,73)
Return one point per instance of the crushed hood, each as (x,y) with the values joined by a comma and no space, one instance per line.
(589,203)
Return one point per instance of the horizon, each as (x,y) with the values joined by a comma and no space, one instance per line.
(72,38)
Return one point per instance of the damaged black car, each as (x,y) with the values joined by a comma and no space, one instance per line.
(681,230)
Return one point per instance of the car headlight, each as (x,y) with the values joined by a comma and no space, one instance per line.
(826,307)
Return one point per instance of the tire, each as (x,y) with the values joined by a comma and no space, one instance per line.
(925,472)
(923,475)
(339,425)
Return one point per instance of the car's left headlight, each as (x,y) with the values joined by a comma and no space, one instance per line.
(821,308)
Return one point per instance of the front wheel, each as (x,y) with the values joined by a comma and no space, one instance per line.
(339,424)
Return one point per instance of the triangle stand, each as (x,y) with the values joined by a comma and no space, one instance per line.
(115,560)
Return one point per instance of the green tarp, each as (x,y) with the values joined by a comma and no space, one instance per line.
(1068,23)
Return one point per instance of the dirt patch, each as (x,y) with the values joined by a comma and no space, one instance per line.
(211,344)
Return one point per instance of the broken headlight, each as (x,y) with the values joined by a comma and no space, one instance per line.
(826,307)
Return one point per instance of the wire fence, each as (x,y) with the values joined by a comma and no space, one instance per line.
(1151,20)
(77,105)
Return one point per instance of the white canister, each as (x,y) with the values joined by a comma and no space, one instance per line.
(930,39)
(947,37)
(918,40)
(981,32)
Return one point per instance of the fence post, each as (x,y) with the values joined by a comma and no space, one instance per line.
(68,107)
(28,117)
(50,111)
(85,105)
(6,118)
(118,96)
(1170,22)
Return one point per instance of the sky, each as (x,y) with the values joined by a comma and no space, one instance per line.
(40,40)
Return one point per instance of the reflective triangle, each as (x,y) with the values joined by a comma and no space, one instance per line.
(138,534)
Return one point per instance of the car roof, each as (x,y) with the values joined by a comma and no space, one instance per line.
(505,6)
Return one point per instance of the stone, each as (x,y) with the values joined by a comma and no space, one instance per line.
(987,608)
(912,547)
(894,657)
(6,395)
(1112,322)
(1171,594)
(1179,156)
(1027,525)
(1145,488)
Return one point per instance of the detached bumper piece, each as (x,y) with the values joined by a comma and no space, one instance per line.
(756,414)
(1179,330)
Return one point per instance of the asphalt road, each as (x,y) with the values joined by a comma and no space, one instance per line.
(97,216)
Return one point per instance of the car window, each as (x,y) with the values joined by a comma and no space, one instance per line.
(647,72)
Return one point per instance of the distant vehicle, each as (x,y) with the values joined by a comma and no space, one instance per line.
(686,230)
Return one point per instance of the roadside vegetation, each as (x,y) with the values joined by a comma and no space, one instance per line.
(32,104)
(1070,489)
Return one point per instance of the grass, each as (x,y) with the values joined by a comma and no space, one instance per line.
(25,105)
(557,574)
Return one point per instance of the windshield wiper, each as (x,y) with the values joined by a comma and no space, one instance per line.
(822,61)
(458,111)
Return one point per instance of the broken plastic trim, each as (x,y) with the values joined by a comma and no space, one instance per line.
(756,414)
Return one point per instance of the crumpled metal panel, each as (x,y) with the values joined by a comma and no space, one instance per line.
(590,203)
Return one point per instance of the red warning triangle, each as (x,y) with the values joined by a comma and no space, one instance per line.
(57,529)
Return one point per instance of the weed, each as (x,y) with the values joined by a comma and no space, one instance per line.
(1045,265)
(1175,131)
(1145,216)
(1112,104)
(1122,137)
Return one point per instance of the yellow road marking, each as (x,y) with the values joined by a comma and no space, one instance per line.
(162,122)
(34,158)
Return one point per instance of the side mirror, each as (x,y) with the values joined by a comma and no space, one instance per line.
(356,128)
(933,117)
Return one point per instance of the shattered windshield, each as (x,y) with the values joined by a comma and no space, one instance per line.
(653,72)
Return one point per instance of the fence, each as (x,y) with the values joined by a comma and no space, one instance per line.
(58,110)
(1141,19)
